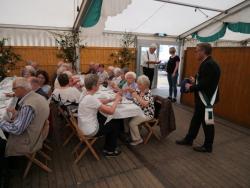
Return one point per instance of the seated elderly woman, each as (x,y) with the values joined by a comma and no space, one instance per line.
(130,85)
(117,76)
(117,87)
(65,93)
(28,71)
(142,97)
(92,123)
(110,71)
(43,77)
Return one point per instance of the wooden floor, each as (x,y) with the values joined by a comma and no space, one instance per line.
(157,164)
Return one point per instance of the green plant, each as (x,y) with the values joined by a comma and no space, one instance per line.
(126,54)
(8,59)
(68,43)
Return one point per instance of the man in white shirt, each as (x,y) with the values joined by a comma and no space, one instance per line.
(65,93)
(149,60)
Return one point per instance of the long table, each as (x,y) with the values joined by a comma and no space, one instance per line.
(5,87)
(125,109)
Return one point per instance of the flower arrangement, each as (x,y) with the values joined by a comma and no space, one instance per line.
(8,59)
(125,55)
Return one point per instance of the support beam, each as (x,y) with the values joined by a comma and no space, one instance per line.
(191,5)
(32,27)
(217,18)
(81,14)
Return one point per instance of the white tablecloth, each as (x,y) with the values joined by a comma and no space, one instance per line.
(124,109)
(2,135)
(5,87)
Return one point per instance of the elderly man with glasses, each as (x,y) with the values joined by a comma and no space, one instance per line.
(25,126)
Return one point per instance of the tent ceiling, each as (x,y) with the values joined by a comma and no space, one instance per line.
(141,16)
(159,17)
(52,13)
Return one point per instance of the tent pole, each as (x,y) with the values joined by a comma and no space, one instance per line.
(191,5)
(217,18)
(81,14)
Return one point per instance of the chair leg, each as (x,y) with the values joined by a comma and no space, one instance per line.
(148,136)
(76,147)
(92,150)
(47,147)
(68,139)
(156,135)
(32,159)
(80,155)
(88,146)
(29,164)
(43,166)
(44,155)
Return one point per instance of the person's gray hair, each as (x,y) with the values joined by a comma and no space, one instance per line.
(144,80)
(90,81)
(130,73)
(117,71)
(124,70)
(28,69)
(153,45)
(22,82)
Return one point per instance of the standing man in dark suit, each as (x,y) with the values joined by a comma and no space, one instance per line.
(205,87)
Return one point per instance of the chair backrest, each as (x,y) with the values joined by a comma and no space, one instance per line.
(74,123)
(157,104)
(45,130)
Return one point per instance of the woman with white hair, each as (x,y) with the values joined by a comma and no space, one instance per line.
(142,97)
(28,71)
(130,85)
(119,86)
(117,75)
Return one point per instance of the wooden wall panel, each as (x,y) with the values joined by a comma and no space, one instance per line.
(99,55)
(45,56)
(234,84)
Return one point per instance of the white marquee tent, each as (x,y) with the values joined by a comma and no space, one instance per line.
(138,16)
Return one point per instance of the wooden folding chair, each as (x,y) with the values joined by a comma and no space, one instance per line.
(32,157)
(150,127)
(88,141)
(65,115)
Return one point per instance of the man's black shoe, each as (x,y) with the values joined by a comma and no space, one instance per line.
(173,100)
(202,149)
(184,142)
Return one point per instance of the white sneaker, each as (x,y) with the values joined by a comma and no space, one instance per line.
(137,142)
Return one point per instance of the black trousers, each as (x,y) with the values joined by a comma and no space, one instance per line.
(111,131)
(4,175)
(149,72)
(198,119)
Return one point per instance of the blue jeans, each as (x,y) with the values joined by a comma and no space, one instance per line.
(172,81)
